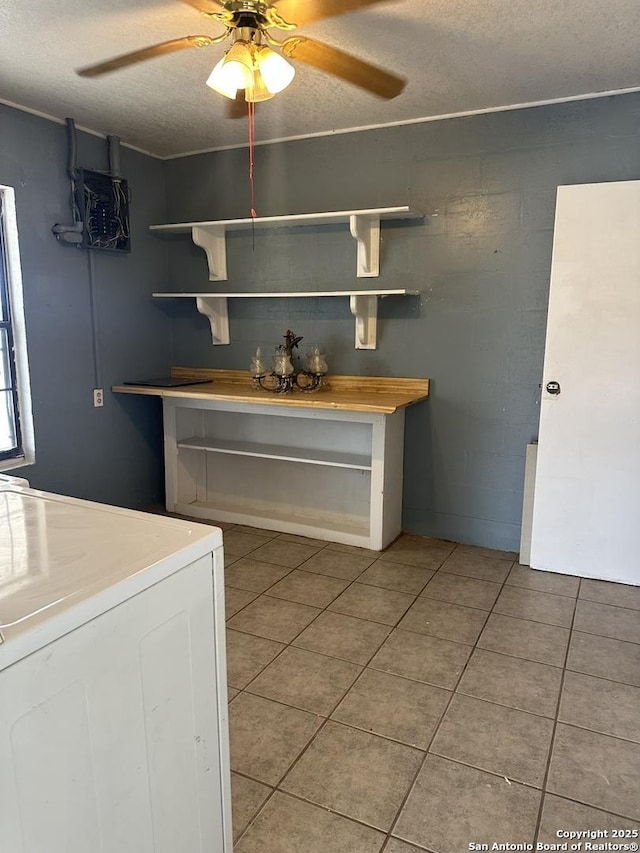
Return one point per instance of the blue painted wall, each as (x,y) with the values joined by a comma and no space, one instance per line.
(111,454)
(481,261)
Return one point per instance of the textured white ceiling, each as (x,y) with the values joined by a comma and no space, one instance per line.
(459,56)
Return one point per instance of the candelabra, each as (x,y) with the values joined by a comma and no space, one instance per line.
(284,376)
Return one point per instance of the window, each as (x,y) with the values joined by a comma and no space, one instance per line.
(16,423)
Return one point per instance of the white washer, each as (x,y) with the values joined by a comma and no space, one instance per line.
(113,699)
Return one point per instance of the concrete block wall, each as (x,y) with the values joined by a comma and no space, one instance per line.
(480,260)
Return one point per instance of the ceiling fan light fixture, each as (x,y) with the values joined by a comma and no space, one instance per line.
(255,68)
(233,72)
(276,72)
(257,91)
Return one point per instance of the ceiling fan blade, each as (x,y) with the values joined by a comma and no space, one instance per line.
(214,8)
(343,65)
(144,54)
(304,11)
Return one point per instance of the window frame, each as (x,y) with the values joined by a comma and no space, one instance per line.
(12,296)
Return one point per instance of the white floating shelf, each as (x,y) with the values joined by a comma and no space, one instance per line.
(363,305)
(364,226)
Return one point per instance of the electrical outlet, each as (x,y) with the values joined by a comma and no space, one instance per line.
(98,397)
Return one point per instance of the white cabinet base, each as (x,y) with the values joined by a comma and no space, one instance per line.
(337,528)
(333,475)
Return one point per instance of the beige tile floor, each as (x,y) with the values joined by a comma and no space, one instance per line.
(426,698)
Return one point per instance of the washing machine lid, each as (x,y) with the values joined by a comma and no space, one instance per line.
(56,552)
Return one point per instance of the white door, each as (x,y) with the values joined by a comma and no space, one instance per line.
(586,515)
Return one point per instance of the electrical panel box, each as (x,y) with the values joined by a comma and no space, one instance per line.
(103,202)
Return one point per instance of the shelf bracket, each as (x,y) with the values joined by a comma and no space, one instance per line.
(215,309)
(212,239)
(366,231)
(365,310)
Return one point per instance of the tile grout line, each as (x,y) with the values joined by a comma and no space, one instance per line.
(326,720)
(435,732)
(398,627)
(552,742)
(323,725)
(422,595)
(540,788)
(289,644)
(330,718)
(361,822)
(416,596)
(543,591)
(601,677)
(286,645)
(608,636)
(276,788)
(433,636)
(501,705)
(321,611)
(392,628)
(293,639)
(596,732)
(390,739)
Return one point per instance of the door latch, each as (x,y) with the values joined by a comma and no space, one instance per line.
(553,387)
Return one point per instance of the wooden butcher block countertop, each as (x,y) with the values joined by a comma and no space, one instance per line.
(379,394)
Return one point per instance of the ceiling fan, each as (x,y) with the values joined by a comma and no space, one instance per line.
(251,70)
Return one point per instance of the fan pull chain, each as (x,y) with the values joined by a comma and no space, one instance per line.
(251,112)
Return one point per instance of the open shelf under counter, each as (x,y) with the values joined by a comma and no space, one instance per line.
(327,464)
(364,225)
(363,304)
(331,459)
(348,530)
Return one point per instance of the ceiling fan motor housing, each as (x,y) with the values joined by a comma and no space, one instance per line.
(248,14)
(248,33)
